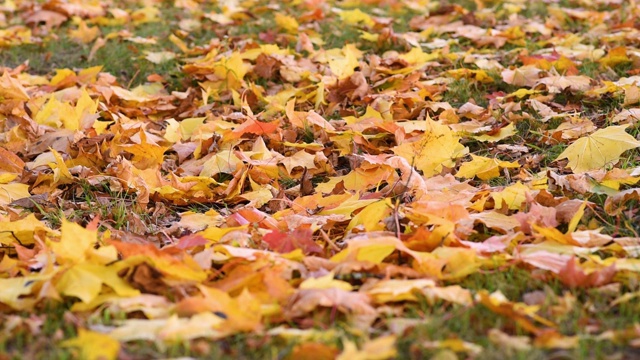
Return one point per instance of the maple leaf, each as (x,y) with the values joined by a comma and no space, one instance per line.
(14,290)
(84,33)
(523,76)
(615,56)
(484,168)
(287,23)
(287,242)
(513,196)
(62,114)
(306,300)
(599,149)
(159,57)
(93,345)
(325,282)
(574,276)
(377,349)
(310,211)
(524,315)
(438,147)
(344,62)
(405,290)
(11,162)
(172,329)
(355,16)
(556,84)
(77,245)
(11,88)
(12,192)
(22,231)
(300,159)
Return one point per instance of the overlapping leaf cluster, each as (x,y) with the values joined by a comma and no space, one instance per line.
(297,179)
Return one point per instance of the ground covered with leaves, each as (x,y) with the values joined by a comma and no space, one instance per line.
(318,179)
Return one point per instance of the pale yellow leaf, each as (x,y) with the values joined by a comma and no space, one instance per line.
(438,147)
(93,345)
(513,196)
(484,168)
(325,282)
(11,192)
(599,149)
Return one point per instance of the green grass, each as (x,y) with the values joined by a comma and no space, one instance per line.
(442,322)
(459,92)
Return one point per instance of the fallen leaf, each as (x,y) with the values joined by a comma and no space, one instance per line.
(93,345)
(599,149)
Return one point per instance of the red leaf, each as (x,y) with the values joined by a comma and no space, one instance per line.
(191,241)
(253,126)
(572,275)
(94,223)
(286,242)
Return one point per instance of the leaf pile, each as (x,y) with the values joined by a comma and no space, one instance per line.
(314,172)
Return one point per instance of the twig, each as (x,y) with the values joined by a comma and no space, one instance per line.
(331,243)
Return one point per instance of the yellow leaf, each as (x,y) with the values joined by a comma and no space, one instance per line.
(179,43)
(93,345)
(503,133)
(398,290)
(11,192)
(172,132)
(21,230)
(62,114)
(171,329)
(355,17)
(371,216)
(259,196)
(61,75)
(484,168)
(364,35)
(61,172)
(615,57)
(189,125)
(145,155)
(478,75)
(233,69)
(599,149)
(222,162)
(85,107)
(145,15)
(101,126)
(513,196)
(74,242)
(300,159)
(85,280)
(460,261)
(79,282)
(287,23)
(14,288)
(6,178)
(417,57)
(552,234)
(325,282)
(374,253)
(573,224)
(11,88)
(343,65)
(438,147)
(378,349)
(84,33)
(520,93)
(159,57)
(348,206)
